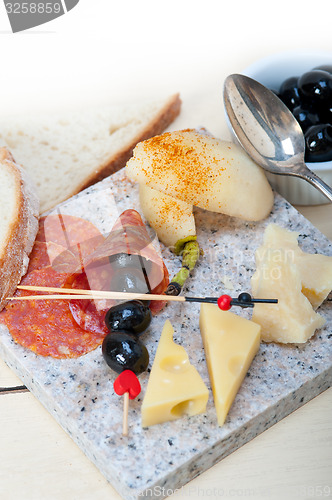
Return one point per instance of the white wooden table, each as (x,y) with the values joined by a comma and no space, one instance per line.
(103,50)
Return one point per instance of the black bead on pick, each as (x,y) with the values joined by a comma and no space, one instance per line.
(244,297)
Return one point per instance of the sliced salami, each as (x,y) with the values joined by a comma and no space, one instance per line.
(49,328)
(88,314)
(43,254)
(68,329)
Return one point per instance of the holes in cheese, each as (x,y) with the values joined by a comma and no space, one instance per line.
(230,343)
(175,364)
(183,408)
(175,387)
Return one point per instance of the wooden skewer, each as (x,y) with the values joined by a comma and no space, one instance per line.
(75,291)
(59,290)
(125,414)
(71,293)
(127,385)
(68,297)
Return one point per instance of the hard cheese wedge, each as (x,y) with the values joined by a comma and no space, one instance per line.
(175,388)
(315,269)
(231,343)
(293,319)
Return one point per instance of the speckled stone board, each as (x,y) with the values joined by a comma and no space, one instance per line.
(79,392)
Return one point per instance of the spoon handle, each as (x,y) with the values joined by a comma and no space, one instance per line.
(316,181)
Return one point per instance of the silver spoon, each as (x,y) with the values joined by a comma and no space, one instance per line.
(267,130)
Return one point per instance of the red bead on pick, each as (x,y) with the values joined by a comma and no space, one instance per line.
(224,302)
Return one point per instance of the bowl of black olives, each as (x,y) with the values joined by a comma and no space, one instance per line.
(303,81)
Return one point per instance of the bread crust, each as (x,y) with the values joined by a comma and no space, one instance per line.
(14,258)
(117,161)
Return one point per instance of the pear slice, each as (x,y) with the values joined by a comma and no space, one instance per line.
(203,171)
(174,222)
(172,219)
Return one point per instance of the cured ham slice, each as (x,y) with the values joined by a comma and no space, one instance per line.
(126,259)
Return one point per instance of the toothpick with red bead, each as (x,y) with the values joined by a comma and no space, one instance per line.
(127,385)
(225,302)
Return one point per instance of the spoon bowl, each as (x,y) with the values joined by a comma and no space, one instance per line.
(267,130)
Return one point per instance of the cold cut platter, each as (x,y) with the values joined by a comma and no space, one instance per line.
(78,390)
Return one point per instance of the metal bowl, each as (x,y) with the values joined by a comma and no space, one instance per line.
(271,71)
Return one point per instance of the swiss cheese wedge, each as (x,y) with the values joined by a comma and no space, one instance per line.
(230,343)
(175,387)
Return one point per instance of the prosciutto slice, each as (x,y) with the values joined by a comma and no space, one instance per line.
(127,254)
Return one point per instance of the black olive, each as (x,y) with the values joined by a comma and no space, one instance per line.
(289,92)
(315,86)
(129,280)
(325,114)
(325,67)
(133,317)
(318,139)
(306,117)
(124,260)
(123,351)
(309,97)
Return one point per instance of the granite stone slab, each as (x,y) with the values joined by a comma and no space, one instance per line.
(79,392)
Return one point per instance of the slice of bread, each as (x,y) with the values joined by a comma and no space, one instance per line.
(19,208)
(66,153)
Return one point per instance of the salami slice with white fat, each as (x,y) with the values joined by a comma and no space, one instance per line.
(68,329)
(47,327)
